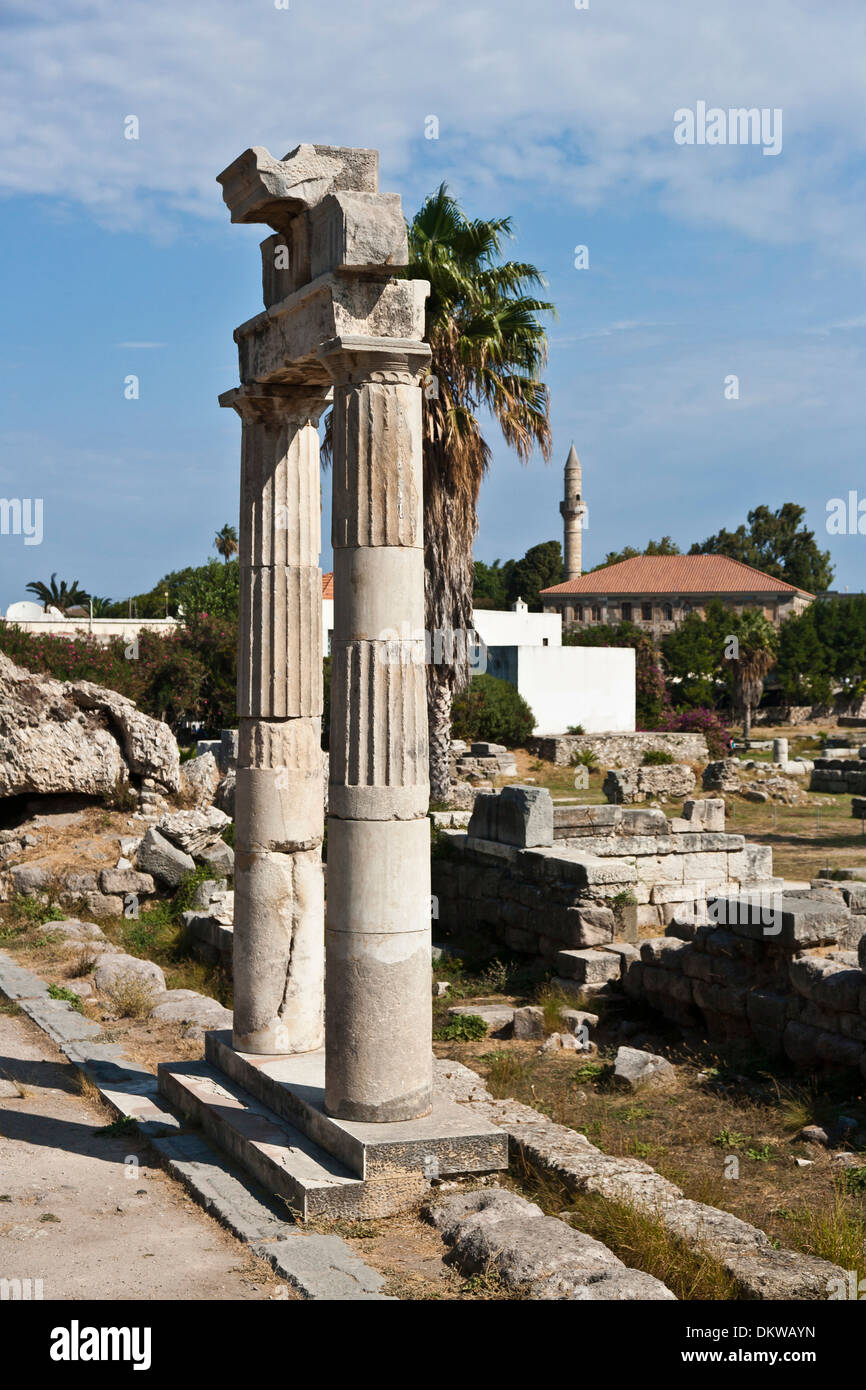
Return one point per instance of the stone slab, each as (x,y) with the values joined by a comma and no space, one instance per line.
(288,1164)
(444,1142)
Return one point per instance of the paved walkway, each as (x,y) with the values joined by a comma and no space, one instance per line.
(85,1212)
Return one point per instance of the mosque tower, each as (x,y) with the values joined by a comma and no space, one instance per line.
(573,510)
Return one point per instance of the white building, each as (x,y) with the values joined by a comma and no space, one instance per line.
(593,687)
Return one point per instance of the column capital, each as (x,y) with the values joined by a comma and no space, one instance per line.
(274,403)
(354,360)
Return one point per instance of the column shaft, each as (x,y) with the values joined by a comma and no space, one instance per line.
(378,1057)
(279,820)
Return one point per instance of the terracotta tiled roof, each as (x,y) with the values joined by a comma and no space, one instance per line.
(676,574)
(328,585)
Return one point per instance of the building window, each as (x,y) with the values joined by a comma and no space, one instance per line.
(646,612)
(626,612)
(668,613)
(596,614)
(544,642)
(687,608)
(579,613)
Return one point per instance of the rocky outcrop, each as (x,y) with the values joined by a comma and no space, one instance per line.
(74,737)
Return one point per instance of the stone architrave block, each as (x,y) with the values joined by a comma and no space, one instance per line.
(519,816)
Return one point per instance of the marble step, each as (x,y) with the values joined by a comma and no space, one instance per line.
(285,1161)
(448,1141)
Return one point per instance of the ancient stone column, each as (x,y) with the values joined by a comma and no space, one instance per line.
(279,819)
(378,1062)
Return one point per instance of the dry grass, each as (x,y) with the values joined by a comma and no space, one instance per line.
(131,997)
(687,1133)
(637,1238)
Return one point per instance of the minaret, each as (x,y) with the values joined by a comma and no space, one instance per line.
(573,510)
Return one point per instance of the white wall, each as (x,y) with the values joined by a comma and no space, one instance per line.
(101,628)
(592,686)
(498,628)
(327,625)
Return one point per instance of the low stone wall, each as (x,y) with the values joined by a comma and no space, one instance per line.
(753,972)
(618,750)
(839,775)
(608,871)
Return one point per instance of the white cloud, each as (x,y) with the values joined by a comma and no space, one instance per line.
(574,105)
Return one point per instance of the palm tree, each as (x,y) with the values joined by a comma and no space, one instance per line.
(60,596)
(100,606)
(488,350)
(757,648)
(226,542)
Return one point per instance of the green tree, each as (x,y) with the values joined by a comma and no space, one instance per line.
(540,567)
(777,543)
(757,646)
(100,607)
(665,546)
(60,596)
(805,665)
(489,348)
(490,587)
(694,655)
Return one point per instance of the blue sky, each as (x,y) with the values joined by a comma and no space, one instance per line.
(118,256)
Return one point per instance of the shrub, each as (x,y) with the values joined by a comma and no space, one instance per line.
(463,1028)
(584,757)
(131,996)
(657,757)
(493,711)
(699,721)
(575,729)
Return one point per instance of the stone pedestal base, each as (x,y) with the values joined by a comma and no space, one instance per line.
(269,1114)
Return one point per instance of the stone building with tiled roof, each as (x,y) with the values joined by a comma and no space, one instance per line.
(657,592)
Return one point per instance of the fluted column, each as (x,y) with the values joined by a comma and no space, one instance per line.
(378,1060)
(279,818)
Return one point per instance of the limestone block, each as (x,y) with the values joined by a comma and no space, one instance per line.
(378,1023)
(528,1022)
(200,778)
(664,950)
(120,881)
(705,813)
(164,861)
(660,868)
(588,966)
(278,952)
(278,796)
(259,188)
(674,893)
(380,879)
(588,926)
(357,231)
(218,857)
(640,821)
(379,596)
(192,831)
(103,904)
(638,1071)
(705,868)
(113,970)
(525,816)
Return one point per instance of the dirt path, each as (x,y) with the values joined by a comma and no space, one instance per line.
(85,1212)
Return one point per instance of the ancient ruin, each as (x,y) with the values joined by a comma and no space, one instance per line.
(338,326)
